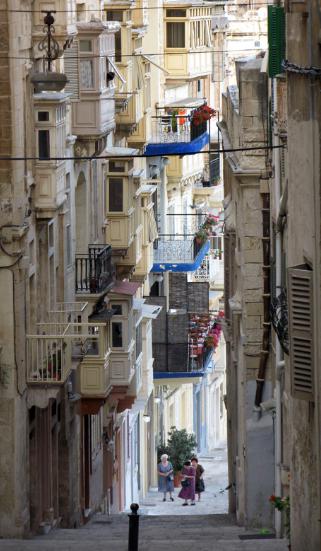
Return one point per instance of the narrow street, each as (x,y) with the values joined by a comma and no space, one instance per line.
(213,501)
(208,528)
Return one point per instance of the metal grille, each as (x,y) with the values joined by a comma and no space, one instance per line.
(279,318)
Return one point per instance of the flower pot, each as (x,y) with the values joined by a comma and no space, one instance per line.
(49,81)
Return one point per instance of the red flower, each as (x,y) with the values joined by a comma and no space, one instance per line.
(272,498)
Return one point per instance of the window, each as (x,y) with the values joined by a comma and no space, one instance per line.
(118,309)
(115,194)
(86,74)
(43,116)
(44,144)
(85,45)
(175,13)
(139,340)
(117,334)
(68,244)
(175,35)
(116,166)
(114,15)
(118,46)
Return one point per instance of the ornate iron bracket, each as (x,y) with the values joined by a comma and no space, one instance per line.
(49,45)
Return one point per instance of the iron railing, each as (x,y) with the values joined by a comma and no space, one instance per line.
(176,248)
(175,129)
(94,271)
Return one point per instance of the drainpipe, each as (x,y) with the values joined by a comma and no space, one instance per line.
(278,351)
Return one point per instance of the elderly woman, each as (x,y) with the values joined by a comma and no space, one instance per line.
(165,477)
(188,475)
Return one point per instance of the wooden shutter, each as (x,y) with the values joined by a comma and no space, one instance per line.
(71,60)
(276,39)
(300,296)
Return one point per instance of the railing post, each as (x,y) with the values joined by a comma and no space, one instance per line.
(133,528)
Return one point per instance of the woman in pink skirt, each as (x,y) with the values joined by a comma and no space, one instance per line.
(188,483)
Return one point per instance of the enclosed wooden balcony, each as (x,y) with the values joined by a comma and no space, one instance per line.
(129,117)
(122,367)
(93,377)
(120,229)
(94,271)
(188,41)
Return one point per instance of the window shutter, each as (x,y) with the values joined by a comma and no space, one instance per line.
(276,38)
(71,59)
(300,296)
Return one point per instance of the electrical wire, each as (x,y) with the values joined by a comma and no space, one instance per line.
(137,156)
(142,54)
(144,9)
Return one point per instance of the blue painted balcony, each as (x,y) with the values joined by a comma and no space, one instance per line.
(178,253)
(178,134)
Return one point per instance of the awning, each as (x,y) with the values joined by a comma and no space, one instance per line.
(184,266)
(177,148)
(151,311)
(116,70)
(125,288)
(119,152)
(177,378)
(154,63)
(147,189)
(186,102)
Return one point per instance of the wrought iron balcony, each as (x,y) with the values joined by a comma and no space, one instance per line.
(94,271)
(176,134)
(178,253)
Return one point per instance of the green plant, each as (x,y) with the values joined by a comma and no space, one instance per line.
(201,235)
(180,447)
(283,504)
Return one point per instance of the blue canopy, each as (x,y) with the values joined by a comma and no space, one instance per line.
(156,149)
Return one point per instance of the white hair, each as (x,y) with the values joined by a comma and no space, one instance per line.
(164,456)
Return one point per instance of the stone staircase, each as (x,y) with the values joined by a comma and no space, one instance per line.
(157,533)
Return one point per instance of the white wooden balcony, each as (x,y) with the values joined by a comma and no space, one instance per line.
(122,366)
(59,347)
(93,378)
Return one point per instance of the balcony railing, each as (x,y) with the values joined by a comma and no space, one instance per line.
(51,352)
(175,129)
(178,253)
(175,132)
(94,271)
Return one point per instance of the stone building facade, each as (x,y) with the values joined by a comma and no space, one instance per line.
(250,433)
(68,374)
(295,199)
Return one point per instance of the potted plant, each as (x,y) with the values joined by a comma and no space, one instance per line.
(201,235)
(283,504)
(202,114)
(180,447)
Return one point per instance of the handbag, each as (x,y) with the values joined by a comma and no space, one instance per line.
(185,483)
(200,485)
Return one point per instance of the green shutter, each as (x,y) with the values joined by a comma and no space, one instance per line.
(276,36)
